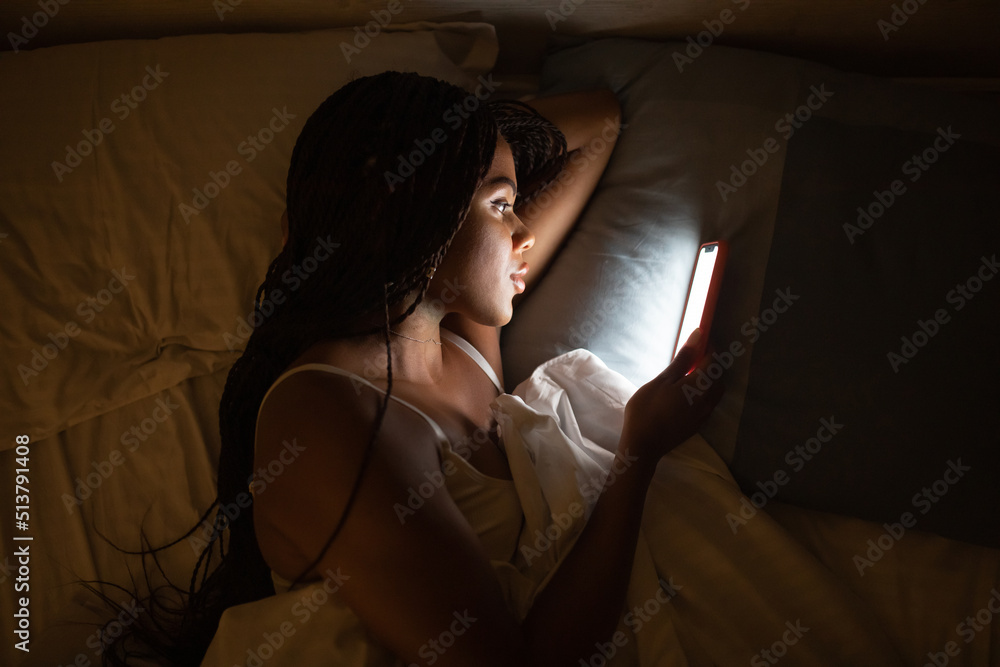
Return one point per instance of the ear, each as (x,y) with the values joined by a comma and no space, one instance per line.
(284,228)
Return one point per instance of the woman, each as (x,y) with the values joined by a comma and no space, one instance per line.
(394,533)
(425,260)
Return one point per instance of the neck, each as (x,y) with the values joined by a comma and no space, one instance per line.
(412,361)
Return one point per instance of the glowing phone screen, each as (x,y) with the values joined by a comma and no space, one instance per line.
(699,293)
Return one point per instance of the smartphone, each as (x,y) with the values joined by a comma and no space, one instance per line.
(702,294)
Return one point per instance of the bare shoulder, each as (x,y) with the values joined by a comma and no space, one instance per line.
(407,575)
(312,434)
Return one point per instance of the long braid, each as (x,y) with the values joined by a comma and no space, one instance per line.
(337,189)
(369,449)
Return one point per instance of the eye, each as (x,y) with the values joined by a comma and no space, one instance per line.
(502,204)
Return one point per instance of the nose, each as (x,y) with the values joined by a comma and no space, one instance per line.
(523,238)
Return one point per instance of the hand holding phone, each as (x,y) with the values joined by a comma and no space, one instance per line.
(703,293)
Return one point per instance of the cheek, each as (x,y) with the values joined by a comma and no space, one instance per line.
(488,260)
(484,255)
(480,250)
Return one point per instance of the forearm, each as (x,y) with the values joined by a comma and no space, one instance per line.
(582,603)
(578,115)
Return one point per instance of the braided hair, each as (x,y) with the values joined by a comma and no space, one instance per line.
(538,146)
(345,183)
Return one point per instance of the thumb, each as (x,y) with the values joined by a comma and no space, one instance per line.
(685,358)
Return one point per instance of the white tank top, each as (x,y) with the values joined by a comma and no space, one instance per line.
(489,504)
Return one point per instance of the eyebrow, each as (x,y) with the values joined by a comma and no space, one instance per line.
(504,179)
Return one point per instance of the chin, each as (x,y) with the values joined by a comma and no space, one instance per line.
(501,316)
(508,312)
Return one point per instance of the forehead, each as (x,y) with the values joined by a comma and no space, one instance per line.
(503,161)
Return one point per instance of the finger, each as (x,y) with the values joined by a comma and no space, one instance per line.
(700,361)
(694,338)
(685,359)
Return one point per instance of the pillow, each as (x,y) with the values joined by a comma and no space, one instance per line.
(141,183)
(860,377)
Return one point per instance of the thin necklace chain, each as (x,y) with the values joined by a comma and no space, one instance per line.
(429,340)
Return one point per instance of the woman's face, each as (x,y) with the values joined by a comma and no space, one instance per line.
(475,276)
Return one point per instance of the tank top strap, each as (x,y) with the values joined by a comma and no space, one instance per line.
(438,431)
(475,354)
(453,337)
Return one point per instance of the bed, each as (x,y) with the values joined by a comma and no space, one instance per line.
(142,180)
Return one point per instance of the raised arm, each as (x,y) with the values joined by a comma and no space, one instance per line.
(591,122)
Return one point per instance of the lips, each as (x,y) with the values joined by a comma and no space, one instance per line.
(518,277)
